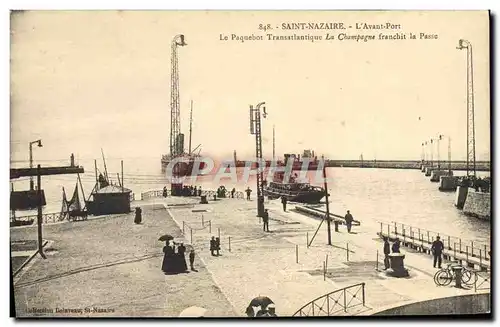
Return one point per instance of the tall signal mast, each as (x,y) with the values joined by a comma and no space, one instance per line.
(176,144)
(471,142)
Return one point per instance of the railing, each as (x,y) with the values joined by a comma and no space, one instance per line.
(337,301)
(46,218)
(482,281)
(207,193)
(407,233)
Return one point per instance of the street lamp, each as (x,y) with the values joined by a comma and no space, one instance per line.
(39,143)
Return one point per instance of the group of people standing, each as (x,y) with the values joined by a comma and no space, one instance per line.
(215,246)
(174,262)
(387,250)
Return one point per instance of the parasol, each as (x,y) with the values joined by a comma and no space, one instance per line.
(193,312)
(263,301)
(166,238)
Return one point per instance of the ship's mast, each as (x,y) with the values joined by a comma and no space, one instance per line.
(190,126)
(274,146)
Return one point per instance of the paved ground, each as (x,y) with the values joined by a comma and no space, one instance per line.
(113,264)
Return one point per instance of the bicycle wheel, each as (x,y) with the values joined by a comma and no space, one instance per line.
(442,278)
(468,277)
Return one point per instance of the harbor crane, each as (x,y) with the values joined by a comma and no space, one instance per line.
(176,138)
(471,142)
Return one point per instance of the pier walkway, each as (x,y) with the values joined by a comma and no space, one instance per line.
(112,263)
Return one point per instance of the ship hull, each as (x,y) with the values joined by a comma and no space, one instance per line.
(182,168)
(309,197)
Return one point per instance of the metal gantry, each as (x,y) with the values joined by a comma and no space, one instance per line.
(175,116)
(255,129)
(471,142)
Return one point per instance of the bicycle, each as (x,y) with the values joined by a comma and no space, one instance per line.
(445,276)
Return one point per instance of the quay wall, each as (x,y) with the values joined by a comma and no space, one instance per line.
(478,204)
(402,164)
(461,304)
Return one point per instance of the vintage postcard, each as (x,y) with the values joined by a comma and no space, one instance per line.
(250,163)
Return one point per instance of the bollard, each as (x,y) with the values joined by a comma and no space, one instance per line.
(458,276)
(296,254)
(307,239)
(336,224)
(347,247)
(229,243)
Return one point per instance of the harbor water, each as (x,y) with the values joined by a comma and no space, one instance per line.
(372,195)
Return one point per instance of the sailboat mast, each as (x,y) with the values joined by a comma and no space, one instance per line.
(105,169)
(190,126)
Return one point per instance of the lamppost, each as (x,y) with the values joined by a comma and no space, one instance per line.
(255,129)
(39,143)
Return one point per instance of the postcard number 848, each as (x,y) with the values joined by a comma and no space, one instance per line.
(265,27)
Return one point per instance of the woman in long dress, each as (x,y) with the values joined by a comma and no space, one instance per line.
(166,265)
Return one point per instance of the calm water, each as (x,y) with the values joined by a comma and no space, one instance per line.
(372,195)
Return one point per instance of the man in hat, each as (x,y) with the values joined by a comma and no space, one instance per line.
(265,219)
(437,249)
(271,310)
(348,221)
(248,191)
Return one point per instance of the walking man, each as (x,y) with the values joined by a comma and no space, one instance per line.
(217,245)
(265,219)
(437,249)
(191,259)
(348,221)
(232,192)
(284,201)
(387,251)
(248,191)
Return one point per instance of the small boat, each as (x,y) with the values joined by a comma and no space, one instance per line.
(293,191)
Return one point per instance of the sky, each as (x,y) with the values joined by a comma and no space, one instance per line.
(86,80)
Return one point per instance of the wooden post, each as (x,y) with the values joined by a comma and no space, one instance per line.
(467,253)
(210,226)
(376,262)
(183,227)
(229,243)
(480,258)
(388,231)
(123,190)
(454,250)
(485,251)
(307,239)
(419,234)
(324,271)
(411,233)
(202,221)
(449,244)
(381,229)
(395,229)
(460,245)
(428,237)
(347,247)
(326,262)
(296,254)
(472,248)
(191,230)
(218,232)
